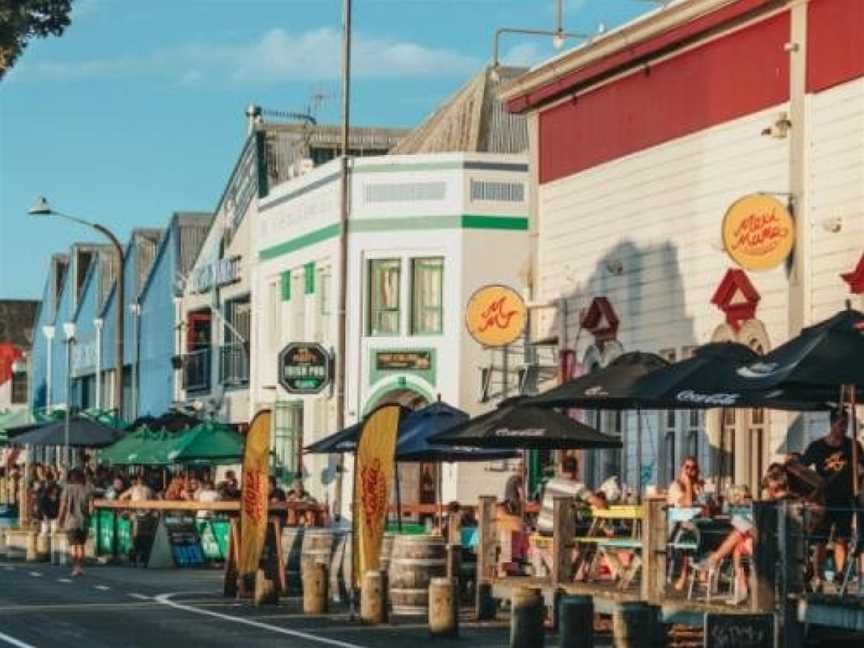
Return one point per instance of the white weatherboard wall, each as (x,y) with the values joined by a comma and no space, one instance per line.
(658,214)
(402,207)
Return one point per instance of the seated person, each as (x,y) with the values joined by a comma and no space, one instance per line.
(566,484)
(685,492)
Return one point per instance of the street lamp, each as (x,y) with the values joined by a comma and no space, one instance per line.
(69,330)
(42,208)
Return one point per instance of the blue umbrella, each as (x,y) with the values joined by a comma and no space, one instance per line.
(415,430)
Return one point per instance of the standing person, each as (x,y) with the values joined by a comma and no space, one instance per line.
(831,458)
(514,492)
(76,504)
(143,522)
(207,494)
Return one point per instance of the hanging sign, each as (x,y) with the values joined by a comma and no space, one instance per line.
(758,232)
(304,368)
(496,316)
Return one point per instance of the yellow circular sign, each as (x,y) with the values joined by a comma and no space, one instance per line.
(758,232)
(496,316)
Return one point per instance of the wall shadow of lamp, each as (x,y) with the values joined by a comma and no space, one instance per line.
(833,224)
(780,128)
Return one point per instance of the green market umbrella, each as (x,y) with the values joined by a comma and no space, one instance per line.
(207,442)
(132,443)
(143,447)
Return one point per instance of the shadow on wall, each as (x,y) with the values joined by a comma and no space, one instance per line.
(645,287)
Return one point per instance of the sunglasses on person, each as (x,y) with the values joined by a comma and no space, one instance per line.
(691,466)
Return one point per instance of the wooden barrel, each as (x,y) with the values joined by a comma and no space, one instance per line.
(318,546)
(292,548)
(415,561)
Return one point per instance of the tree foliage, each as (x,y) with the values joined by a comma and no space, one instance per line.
(22,20)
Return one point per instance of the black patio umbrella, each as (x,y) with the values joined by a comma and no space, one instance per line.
(416,428)
(83,432)
(521,426)
(703,381)
(607,388)
(171,421)
(824,356)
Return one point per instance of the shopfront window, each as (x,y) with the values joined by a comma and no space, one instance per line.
(234,356)
(287,440)
(427,304)
(384,276)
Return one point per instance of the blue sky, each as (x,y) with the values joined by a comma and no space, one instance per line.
(137,110)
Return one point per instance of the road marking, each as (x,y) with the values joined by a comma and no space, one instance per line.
(64,580)
(140,597)
(165,599)
(35,574)
(101,588)
(7,568)
(12,641)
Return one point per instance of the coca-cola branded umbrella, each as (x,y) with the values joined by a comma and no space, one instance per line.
(608,388)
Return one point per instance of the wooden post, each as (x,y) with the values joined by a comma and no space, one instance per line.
(526,618)
(454,560)
(763,568)
(315,589)
(454,528)
(793,558)
(485,556)
(443,607)
(563,532)
(576,621)
(372,607)
(654,537)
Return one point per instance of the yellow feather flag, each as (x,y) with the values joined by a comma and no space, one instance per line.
(254,500)
(374,466)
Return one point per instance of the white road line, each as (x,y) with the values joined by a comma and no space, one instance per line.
(141,597)
(165,599)
(35,574)
(8,568)
(12,641)
(101,588)
(64,580)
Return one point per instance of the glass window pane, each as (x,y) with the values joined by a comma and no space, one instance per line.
(427,301)
(384,296)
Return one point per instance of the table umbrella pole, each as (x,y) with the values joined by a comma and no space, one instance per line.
(855,458)
(398,501)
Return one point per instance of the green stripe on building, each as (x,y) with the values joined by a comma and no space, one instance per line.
(401,224)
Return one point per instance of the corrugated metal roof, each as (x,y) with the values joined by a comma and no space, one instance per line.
(471,120)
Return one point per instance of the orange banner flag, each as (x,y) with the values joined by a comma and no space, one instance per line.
(373,479)
(253,510)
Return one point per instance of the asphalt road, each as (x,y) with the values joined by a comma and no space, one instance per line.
(41,606)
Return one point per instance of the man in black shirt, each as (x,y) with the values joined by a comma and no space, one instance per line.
(831,458)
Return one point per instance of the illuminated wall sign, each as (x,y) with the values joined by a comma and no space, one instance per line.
(218,273)
(496,316)
(758,232)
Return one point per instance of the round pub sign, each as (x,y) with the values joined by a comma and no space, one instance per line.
(758,232)
(496,316)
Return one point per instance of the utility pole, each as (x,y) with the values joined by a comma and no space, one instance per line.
(342,343)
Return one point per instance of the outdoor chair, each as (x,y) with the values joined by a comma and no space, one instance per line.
(683,540)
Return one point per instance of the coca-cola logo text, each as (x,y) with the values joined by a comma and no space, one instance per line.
(720,400)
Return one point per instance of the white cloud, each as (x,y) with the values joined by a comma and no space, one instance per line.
(83,8)
(277,56)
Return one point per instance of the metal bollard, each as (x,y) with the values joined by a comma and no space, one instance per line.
(372,596)
(634,625)
(315,588)
(526,618)
(576,621)
(443,607)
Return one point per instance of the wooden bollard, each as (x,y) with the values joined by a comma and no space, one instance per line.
(32,554)
(634,625)
(43,545)
(443,607)
(454,560)
(526,618)
(315,588)
(373,609)
(486,606)
(576,621)
(266,592)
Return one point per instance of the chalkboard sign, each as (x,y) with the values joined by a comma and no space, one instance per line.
(739,630)
(185,542)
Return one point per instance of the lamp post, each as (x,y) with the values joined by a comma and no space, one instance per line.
(69,332)
(42,208)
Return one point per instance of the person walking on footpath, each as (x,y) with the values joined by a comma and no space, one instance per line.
(76,504)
